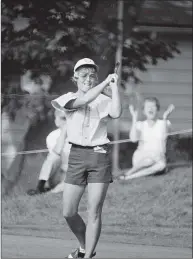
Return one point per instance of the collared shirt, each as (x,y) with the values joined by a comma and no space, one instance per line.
(87,125)
(51,141)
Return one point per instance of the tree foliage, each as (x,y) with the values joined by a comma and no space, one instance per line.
(47,37)
(44,37)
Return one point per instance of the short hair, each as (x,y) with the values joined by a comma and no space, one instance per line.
(87,67)
(154,100)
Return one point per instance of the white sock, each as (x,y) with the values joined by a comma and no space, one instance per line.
(82,250)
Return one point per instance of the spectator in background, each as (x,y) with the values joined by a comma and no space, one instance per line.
(149,158)
(56,163)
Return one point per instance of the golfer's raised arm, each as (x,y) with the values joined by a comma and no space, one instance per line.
(72,101)
(89,96)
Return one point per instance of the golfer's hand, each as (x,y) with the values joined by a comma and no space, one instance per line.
(169,110)
(112,79)
(134,113)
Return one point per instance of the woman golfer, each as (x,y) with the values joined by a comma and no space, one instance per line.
(87,113)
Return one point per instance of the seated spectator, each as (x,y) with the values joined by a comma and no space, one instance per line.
(151,135)
(53,170)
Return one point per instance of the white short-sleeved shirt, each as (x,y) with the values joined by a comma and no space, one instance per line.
(86,126)
(51,141)
(153,138)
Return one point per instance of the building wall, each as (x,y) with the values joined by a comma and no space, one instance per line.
(171,82)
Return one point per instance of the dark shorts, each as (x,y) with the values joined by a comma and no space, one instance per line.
(87,166)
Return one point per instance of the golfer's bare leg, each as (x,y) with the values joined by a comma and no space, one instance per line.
(71,200)
(96,196)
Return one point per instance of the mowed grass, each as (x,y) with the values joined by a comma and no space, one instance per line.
(155,210)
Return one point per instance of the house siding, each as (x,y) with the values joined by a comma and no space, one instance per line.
(171,82)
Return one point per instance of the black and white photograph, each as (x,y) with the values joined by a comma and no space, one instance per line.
(96,129)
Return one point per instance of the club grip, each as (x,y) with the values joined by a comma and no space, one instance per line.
(116,70)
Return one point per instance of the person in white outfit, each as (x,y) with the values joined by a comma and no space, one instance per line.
(56,162)
(151,135)
(87,113)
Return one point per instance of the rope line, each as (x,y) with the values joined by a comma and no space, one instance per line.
(169,134)
(36,151)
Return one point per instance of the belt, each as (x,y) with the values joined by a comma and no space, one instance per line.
(85,147)
(79,146)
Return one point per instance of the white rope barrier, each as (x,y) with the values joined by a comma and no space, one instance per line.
(36,151)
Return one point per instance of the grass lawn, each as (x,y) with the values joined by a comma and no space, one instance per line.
(154,210)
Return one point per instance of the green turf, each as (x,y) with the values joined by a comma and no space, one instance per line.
(154,210)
